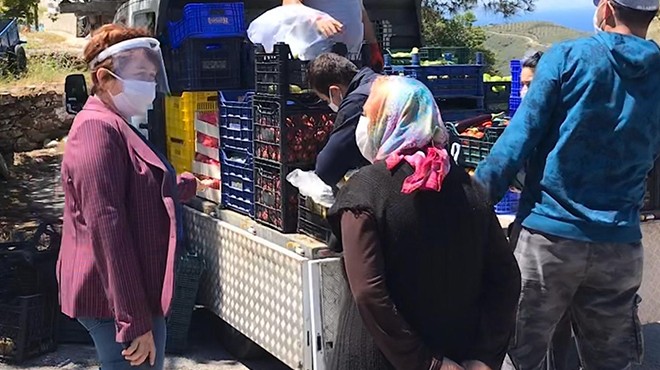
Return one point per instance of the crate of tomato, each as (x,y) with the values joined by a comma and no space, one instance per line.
(312,220)
(282,74)
(275,199)
(477,136)
(290,132)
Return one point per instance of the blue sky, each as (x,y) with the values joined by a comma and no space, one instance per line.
(577,14)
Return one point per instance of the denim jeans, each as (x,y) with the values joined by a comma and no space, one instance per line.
(103,333)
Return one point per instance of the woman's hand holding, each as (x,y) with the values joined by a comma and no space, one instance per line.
(475,365)
(141,349)
(204,184)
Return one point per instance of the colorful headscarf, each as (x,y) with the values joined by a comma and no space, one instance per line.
(405,124)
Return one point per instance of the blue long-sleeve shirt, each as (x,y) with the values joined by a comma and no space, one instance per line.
(590,129)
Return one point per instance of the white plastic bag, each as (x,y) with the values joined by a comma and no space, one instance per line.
(294,25)
(310,185)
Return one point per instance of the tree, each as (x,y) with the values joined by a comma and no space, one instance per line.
(26,10)
(457,31)
(506,8)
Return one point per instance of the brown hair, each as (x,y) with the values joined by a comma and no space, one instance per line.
(103,38)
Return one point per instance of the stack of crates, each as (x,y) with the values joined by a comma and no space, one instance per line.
(516,87)
(236,130)
(192,129)
(458,88)
(291,125)
(209,47)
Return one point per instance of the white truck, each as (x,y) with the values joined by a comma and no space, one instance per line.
(282,292)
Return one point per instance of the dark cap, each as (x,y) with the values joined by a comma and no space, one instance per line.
(644,5)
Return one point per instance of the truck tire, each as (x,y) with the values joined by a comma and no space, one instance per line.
(4,169)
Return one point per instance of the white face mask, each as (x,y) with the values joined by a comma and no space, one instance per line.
(523,91)
(334,107)
(362,139)
(597,25)
(136,98)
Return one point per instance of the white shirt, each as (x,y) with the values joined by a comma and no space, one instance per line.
(349,14)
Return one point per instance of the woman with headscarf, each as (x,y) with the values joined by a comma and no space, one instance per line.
(433,281)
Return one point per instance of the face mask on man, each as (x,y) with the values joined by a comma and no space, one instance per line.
(136,97)
(523,91)
(598,24)
(362,139)
(334,106)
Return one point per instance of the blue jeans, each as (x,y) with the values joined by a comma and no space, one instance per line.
(103,333)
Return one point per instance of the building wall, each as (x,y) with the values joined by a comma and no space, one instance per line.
(64,23)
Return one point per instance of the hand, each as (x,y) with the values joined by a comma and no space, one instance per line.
(329,26)
(475,365)
(448,364)
(204,184)
(141,348)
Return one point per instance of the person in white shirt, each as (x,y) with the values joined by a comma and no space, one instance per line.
(350,25)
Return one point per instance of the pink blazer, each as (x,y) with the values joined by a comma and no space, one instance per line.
(119,234)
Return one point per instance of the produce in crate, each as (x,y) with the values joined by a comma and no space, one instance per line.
(303,137)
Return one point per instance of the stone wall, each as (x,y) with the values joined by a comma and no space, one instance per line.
(29,121)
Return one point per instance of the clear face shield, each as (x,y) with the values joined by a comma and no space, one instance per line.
(138,59)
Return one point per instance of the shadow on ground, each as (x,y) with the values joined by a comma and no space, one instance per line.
(32,194)
(205,352)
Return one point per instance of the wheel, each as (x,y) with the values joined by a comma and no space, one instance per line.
(21,59)
(17,60)
(4,169)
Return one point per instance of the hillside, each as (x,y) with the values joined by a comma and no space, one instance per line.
(511,41)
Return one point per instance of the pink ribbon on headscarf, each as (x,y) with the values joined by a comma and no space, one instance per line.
(431,168)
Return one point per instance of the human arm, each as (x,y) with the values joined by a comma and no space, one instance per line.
(99,167)
(527,127)
(499,299)
(365,267)
(369,31)
(377,62)
(341,153)
(187,185)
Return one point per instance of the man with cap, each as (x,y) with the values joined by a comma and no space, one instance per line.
(589,132)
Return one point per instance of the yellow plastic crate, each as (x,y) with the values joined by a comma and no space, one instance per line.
(180,114)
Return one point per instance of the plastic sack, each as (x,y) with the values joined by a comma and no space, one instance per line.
(294,25)
(310,185)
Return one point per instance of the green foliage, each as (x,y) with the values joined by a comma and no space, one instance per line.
(457,31)
(25,10)
(506,8)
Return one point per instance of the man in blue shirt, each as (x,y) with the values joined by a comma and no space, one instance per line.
(589,132)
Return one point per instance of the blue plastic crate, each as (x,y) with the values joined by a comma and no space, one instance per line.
(509,204)
(238,183)
(208,21)
(514,103)
(446,81)
(208,64)
(235,109)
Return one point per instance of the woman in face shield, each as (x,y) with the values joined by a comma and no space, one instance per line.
(434,284)
(122,218)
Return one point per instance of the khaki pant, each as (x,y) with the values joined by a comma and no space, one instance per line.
(596,283)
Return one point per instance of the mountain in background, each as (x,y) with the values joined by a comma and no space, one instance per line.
(515,40)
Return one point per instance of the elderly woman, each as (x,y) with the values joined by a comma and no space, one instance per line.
(121,218)
(433,281)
